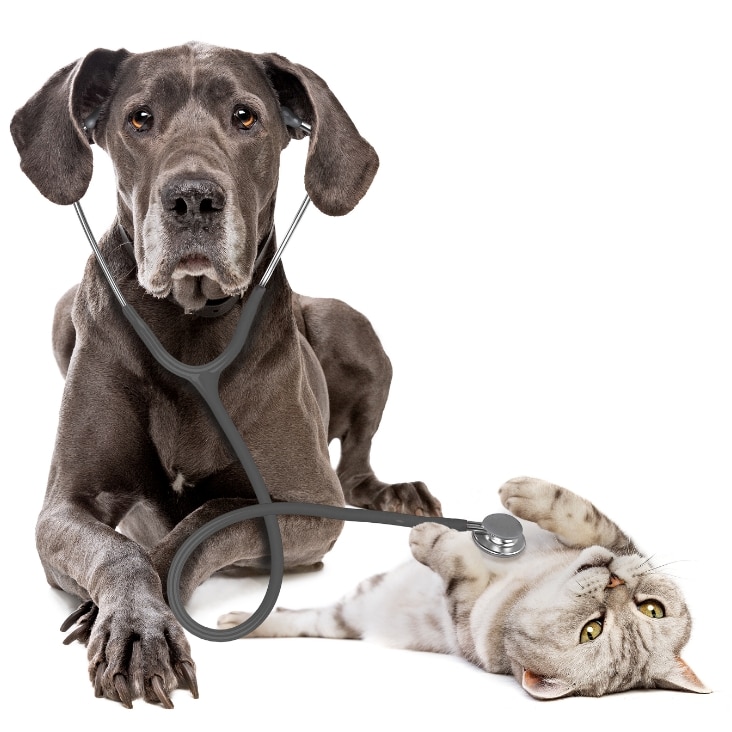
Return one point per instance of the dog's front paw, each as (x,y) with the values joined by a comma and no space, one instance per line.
(135,649)
(414,498)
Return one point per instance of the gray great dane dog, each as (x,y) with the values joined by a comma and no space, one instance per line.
(195,134)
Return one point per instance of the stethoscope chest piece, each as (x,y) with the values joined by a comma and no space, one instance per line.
(501,535)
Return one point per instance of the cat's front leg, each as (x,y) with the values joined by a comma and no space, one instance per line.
(575,521)
(453,556)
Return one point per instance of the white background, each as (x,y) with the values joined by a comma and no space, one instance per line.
(545,253)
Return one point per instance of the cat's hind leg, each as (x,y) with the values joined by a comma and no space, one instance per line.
(573,519)
(355,616)
(326,622)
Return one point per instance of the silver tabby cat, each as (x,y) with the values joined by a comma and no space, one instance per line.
(584,615)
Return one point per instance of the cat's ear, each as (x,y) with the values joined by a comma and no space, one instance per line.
(541,687)
(682,678)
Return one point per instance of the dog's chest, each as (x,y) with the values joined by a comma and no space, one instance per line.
(188,443)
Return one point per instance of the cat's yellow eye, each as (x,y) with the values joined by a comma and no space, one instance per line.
(591,631)
(652,608)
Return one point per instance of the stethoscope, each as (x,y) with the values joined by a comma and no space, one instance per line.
(499,535)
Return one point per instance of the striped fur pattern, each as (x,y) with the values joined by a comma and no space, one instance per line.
(581,612)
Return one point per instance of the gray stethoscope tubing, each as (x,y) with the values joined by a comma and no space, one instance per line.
(498,534)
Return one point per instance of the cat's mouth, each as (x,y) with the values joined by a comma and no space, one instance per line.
(613,580)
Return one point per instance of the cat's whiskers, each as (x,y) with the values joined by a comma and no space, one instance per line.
(646,561)
(653,569)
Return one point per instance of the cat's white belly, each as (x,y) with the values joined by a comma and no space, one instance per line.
(491,613)
(408,609)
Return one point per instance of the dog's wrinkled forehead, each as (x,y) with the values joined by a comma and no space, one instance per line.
(212,78)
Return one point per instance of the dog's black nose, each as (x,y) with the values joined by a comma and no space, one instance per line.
(190,198)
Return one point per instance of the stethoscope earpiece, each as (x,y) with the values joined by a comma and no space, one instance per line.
(500,535)
(292,120)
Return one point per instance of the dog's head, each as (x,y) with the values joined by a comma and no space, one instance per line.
(195,134)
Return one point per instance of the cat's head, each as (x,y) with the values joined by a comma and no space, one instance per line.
(604,624)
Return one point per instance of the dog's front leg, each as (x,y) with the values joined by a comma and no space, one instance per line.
(305,540)
(135,645)
(103,465)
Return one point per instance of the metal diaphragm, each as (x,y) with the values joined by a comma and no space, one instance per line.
(501,535)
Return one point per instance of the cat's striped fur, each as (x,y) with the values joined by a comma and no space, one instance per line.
(585,615)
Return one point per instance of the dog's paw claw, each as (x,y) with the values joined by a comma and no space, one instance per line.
(186,672)
(98,676)
(80,611)
(84,616)
(157,687)
(123,690)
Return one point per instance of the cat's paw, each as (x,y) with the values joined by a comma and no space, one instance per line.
(232,619)
(532,499)
(571,518)
(423,539)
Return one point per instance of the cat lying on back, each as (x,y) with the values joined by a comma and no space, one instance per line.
(587,616)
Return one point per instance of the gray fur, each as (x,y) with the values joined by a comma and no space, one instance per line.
(524,616)
(135,448)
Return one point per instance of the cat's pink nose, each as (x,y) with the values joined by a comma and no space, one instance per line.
(614,582)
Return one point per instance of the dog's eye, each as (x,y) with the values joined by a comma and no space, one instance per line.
(141,119)
(243,117)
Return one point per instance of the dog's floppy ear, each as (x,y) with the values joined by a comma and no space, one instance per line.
(49,131)
(340,164)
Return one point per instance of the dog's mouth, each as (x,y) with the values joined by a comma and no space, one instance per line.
(193,292)
(195,283)
(195,265)
(192,272)
(193,280)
